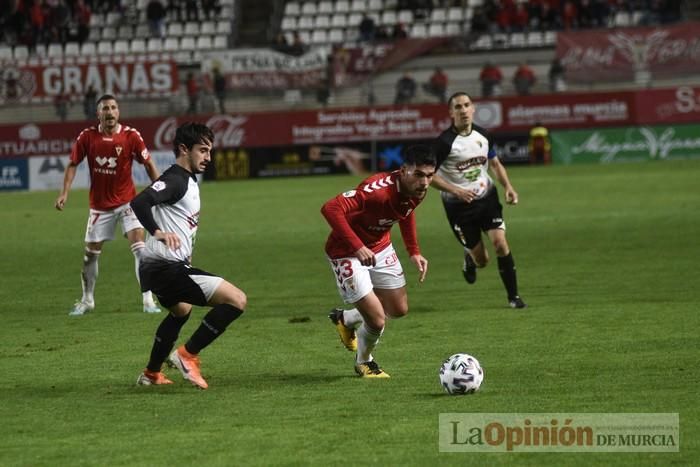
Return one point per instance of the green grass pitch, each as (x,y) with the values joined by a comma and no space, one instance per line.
(607,258)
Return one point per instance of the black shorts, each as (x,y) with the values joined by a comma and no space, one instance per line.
(174,283)
(468,220)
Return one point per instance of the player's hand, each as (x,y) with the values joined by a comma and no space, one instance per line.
(511,196)
(60,202)
(366,256)
(170,239)
(422,265)
(466,195)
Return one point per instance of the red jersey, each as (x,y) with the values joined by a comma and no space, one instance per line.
(109,161)
(364,216)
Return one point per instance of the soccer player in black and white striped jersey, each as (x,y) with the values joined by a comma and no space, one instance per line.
(169,210)
(465,153)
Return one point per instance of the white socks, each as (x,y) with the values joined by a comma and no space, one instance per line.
(137,249)
(367,339)
(88,276)
(352,318)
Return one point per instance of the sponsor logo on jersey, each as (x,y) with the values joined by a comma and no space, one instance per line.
(474,161)
(106,165)
(349,194)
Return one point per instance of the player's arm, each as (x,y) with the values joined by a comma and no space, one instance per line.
(151,169)
(68,177)
(499,171)
(336,211)
(78,152)
(410,239)
(442,150)
(165,190)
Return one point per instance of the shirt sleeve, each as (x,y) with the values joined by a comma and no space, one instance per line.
(140,152)
(409,234)
(336,212)
(168,189)
(79,149)
(441,149)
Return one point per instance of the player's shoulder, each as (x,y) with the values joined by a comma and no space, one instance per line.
(479,130)
(448,135)
(87,132)
(379,183)
(130,130)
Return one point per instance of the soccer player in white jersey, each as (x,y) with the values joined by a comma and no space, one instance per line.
(465,153)
(110,149)
(169,210)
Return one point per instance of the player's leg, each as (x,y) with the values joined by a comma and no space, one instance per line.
(495,227)
(461,217)
(346,321)
(134,232)
(227,302)
(163,343)
(368,334)
(506,267)
(100,228)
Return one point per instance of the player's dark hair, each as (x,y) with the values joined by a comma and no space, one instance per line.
(457,94)
(105,97)
(191,133)
(419,154)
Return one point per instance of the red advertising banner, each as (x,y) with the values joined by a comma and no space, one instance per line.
(267,69)
(618,54)
(41,81)
(361,124)
(356,63)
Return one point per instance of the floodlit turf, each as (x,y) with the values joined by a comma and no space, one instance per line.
(607,258)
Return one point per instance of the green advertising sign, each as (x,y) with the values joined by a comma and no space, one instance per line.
(626,144)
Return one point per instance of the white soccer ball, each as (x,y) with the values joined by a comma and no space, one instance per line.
(461,374)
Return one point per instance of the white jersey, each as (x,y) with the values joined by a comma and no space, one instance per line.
(464,160)
(174,205)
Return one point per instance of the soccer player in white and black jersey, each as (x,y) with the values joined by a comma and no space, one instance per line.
(465,153)
(169,210)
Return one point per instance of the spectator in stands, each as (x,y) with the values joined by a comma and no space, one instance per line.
(211,9)
(191,10)
(89,100)
(280,44)
(298,47)
(37,21)
(437,85)
(367,28)
(490,78)
(479,25)
(61,103)
(405,89)
(82,14)
(219,82)
(155,14)
(521,19)
(399,31)
(556,76)
(569,15)
(539,146)
(193,87)
(175,10)
(524,79)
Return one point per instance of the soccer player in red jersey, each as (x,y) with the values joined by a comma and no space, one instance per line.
(110,149)
(367,271)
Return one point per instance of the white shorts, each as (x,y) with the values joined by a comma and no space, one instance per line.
(101,224)
(354,280)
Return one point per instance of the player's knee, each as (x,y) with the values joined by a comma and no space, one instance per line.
(239,300)
(501,248)
(375,322)
(398,311)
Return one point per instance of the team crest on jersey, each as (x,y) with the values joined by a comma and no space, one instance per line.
(158,186)
(119,150)
(349,194)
